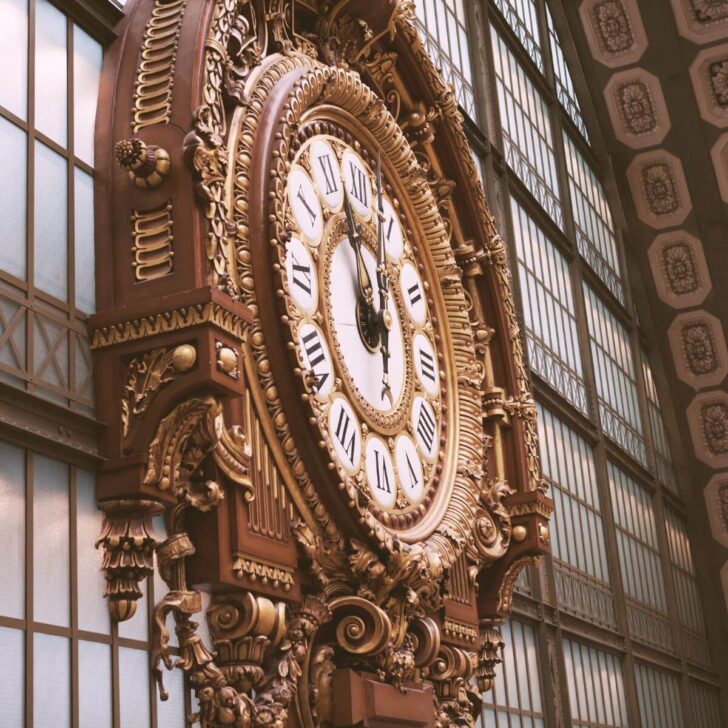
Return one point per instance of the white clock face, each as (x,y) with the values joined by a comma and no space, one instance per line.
(365,367)
(378,408)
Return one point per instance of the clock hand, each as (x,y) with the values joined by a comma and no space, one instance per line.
(365,294)
(385,318)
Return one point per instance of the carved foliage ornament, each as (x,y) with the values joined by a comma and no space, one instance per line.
(614,27)
(637,107)
(680,269)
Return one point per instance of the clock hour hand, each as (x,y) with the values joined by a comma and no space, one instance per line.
(366,315)
(384,318)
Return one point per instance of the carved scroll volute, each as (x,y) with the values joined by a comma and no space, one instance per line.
(244,628)
(361,628)
(451,672)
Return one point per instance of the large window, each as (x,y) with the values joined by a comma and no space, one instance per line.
(595,236)
(443,26)
(53,615)
(564,85)
(659,698)
(522,16)
(549,309)
(581,570)
(639,558)
(47,108)
(596,689)
(527,137)
(615,375)
(516,697)
(705,701)
(663,458)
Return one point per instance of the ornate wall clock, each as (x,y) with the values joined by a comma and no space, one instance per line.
(315,363)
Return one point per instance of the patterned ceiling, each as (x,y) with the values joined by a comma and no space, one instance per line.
(661,84)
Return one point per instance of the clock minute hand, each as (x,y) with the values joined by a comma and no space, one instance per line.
(385,318)
(366,293)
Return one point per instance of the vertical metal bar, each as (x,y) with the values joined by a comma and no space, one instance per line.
(29,560)
(73,543)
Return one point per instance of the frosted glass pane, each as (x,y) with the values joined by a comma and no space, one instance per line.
(94,685)
(12,530)
(171,713)
(50,71)
(14,56)
(84,241)
(51,564)
(134,688)
(12,672)
(51,222)
(93,614)
(13,198)
(52,681)
(87,56)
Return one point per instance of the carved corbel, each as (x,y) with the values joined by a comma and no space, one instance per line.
(128,541)
(146,164)
(244,628)
(490,654)
(492,528)
(457,704)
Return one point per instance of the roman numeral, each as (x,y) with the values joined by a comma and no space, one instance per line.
(415,294)
(388,233)
(358,184)
(427,365)
(301,275)
(426,428)
(342,428)
(311,213)
(315,354)
(414,480)
(382,472)
(330,176)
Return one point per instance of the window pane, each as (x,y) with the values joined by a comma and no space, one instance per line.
(134,688)
(706,705)
(595,234)
(51,222)
(93,614)
(12,672)
(660,703)
(564,84)
(12,530)
(51,557)
(601,703)
(52,681)
(87,55)
(549,311)
(527,137)
(94,685)
(517,685)
(171,713)
(14,56)
(13,192)
(521,16)
(84,241)
(50,72)
(579,548)
(614,372)
(663,457)
(442,24)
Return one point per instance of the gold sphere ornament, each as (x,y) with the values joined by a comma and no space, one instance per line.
(184,357)
(227,359)
(519,533)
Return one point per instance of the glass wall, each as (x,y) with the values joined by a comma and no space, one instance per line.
(619,602)
(62,661)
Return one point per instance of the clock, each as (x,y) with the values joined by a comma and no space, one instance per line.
(364,329)
(362,319)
